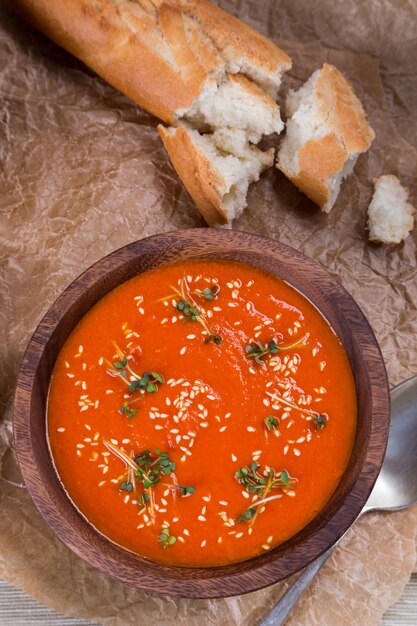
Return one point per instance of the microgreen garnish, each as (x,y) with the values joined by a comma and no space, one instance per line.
(191,311)
(257,350)
(126,410)
(146,470)
(215,338)
(320,421)
(166,539)
(126,486)
(260,482)
(185,491)
(209,293)
(146,383)
(246,515)
(271,422)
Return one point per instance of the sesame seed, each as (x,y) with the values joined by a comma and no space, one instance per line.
(109,391)
(245,494)
(223,502)
(234,458)
(286,448)
(183,350)
(186,532)
(296,451)
(80,349)
(103,482)
(220,539)
(251,429)
(290,493)
(266,402)
(60,430)
(203,543)
(203,424)
(201,518)
(80,445)
(206,498)
(265,546)
(222,429)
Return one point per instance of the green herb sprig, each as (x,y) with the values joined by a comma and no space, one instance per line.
(258,351)
(260,482)
(147,382)
(271,422)
(166,539)
(147,470)
(187,306)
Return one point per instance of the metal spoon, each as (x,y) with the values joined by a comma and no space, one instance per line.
(395,488)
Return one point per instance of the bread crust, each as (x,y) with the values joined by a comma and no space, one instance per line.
(347,134)
(201,180)
(318,160)
(342,110)
(159,53)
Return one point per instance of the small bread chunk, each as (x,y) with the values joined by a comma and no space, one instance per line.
(390,216)
(216,180)
(326,131)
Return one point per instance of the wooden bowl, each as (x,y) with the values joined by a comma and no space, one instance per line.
(331,300)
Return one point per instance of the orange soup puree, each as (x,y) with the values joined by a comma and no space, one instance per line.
(201,413)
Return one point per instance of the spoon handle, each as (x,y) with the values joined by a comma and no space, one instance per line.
(284,606)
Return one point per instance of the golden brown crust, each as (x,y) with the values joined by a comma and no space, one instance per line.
(235,39)
(318,160)
(348,133)
(201,180)
(342,110)
(158,53)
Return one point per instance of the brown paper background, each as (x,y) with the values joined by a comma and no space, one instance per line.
(83,172)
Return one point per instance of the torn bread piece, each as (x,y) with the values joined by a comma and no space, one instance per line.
(390,216)
(217,180)
(327,130)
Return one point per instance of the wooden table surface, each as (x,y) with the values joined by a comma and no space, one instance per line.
(19,609)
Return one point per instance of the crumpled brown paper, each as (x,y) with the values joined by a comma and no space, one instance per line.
(84,172)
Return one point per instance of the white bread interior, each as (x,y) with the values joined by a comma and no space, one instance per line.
(326,132)
(216,169)
(390,216)
(235,103)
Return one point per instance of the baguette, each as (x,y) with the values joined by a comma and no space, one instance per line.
(390,216)
(185,61)
(326,132)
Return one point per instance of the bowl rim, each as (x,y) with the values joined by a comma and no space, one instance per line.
(101,552)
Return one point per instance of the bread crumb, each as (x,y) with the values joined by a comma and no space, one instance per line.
(390,216)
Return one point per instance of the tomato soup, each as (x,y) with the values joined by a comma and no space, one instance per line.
(201,413)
